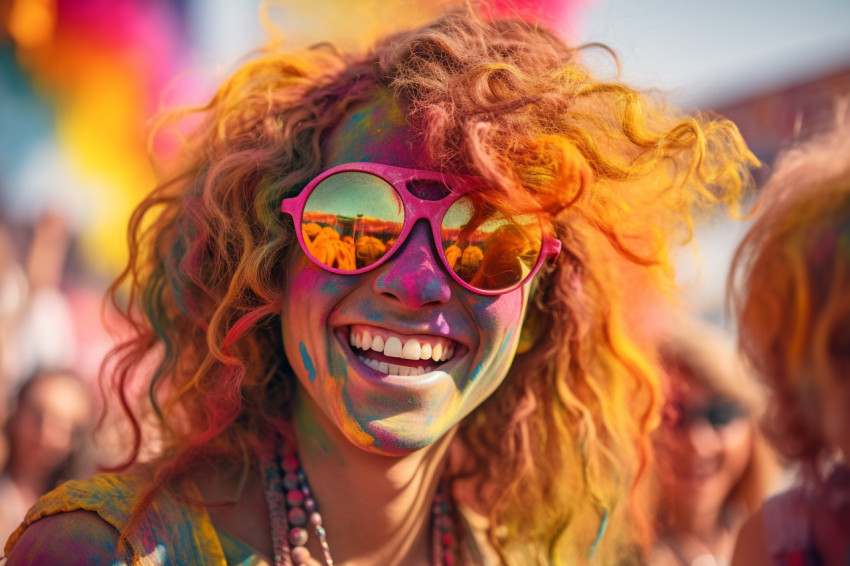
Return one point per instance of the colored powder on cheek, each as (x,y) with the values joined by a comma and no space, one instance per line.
(373,313)
(329,288)
(338,366)
(501,353)
(307,361)
(352,428)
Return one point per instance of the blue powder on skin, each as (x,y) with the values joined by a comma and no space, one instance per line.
(308,363)
(502,348)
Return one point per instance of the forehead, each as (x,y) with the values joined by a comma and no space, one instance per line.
(377,131)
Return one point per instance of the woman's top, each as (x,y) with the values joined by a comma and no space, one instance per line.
(787,529)
(171,532)
(789,517)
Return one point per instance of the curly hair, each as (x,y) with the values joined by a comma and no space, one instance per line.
(558,452)
(790,290)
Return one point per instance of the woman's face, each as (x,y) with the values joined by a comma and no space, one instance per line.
(408,299)
(47,422)
(708,446)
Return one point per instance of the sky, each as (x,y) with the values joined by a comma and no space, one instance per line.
(709,51)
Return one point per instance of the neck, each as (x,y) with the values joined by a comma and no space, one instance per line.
(376,508)
(704,525)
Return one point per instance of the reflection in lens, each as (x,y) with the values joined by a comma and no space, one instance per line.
(486,249)
(351,219)
(368,250)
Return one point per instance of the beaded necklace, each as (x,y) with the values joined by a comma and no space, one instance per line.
(292,511)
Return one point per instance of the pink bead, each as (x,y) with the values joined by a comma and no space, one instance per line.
(289,464)
(448,539)
(298,536)
(315,519)
(297,517)
(300,555)
(448,558)
(309,504)
(294,498)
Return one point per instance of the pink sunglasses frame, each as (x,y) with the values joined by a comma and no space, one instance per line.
(415,209)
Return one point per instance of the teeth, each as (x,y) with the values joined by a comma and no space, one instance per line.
(398,346)
(392,348)
(437,353)
(393,369)
(374,364)
(411,350)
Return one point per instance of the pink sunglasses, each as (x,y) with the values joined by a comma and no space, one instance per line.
(355,216)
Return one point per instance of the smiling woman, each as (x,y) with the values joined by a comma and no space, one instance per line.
(387,303)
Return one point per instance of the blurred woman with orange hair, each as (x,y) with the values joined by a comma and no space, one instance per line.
(398,411)
(792,299)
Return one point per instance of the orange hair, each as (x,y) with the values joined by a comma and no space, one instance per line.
(564,442)
(790,290)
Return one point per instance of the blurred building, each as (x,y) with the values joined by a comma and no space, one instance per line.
(772,119)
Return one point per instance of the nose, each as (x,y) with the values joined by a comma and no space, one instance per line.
(415,276)
(701,439)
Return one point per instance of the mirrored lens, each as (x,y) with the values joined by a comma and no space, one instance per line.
(486,249)
(351,220)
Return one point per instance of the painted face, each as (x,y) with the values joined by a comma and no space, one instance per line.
(708,448)
(397,356)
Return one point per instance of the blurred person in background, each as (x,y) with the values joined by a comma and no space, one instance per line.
(791,296)
(36,322)
(46,337)
(13,291)
(46,434)
(714,466)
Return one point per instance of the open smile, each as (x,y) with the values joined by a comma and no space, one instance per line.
(397,354)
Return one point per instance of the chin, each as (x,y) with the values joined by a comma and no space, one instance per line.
(396,439)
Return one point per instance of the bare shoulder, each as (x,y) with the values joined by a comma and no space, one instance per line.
(67,539)
(751,547)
